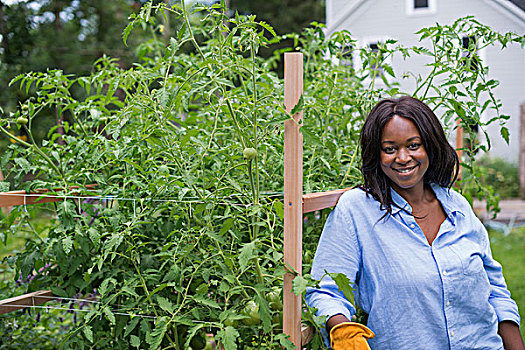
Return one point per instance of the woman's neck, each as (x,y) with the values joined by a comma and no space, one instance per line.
(416,196)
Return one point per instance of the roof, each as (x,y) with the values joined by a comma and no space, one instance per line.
(343,9)
(519,3)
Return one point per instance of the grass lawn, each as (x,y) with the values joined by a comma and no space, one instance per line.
(510,252)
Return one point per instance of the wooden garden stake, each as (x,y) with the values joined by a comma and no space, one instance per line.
(522,151)
(293,191)
(459,145)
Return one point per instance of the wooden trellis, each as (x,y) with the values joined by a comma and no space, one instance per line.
(296,204)
(16,198)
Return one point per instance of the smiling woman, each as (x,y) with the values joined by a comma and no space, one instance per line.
(418,256)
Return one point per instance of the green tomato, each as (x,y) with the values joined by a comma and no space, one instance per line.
(274,299)
(21,120)
(277,319)
(249,153)
(252,311)
(198,342)
(307,259)
(230,321)
(164,170)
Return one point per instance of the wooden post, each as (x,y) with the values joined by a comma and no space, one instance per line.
(5,210)
(293,191)
(522,151)
(459,145)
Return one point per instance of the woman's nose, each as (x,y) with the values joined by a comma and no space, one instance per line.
(403,156)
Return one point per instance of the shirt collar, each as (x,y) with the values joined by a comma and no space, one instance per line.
(443,195)
(398,202)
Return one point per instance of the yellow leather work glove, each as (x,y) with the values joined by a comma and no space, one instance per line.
(350,336)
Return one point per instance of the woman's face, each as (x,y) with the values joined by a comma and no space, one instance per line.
(403,157)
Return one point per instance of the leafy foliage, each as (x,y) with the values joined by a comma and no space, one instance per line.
(185,231)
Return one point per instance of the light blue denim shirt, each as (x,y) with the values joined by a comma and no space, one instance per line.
(448,295)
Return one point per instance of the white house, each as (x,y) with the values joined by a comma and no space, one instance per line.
(373,21)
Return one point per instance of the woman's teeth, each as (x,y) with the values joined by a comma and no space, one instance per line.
(404,171)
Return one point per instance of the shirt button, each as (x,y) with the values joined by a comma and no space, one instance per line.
(451,333)
(448,303)
(445,273)
(412,225)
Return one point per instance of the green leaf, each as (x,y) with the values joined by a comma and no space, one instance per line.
(59,292)
(155,337)
(67,244)
(279,209)
(344,285)
(299,285)
(191,333)
(246,254)
(131,325)
(264,312)
(298,107)
(205,301)
(505,134)
(134,341)
(94,235)
(228,338)
(389,70)
(165,304)
(109,314)
(4,186)
(88,332)
(24,164)
(285,341)
(226,226)
(267,27)
(311,136)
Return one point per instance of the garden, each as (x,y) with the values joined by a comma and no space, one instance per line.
(167,229)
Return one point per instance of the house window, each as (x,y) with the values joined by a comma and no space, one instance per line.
(375,60)
(373,63)
(418,4)
(420,7)
(346,56)
(470,52)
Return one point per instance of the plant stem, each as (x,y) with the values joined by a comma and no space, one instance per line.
(349,168)
(35,148)
(187,21)
(232,113)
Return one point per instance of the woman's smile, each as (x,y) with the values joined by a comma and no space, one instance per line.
(405,171)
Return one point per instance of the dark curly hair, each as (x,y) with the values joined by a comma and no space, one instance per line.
(444,163)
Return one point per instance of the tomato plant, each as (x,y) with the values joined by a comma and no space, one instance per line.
(183,233)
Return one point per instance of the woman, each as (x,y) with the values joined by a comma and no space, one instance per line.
(419,257)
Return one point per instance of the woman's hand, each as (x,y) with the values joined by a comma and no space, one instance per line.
(510,333)
(345,335)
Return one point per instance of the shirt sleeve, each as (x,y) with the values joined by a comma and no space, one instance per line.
(338,252)
(500,299)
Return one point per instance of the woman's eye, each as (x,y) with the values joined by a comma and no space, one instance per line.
(389,150)
(413,146)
